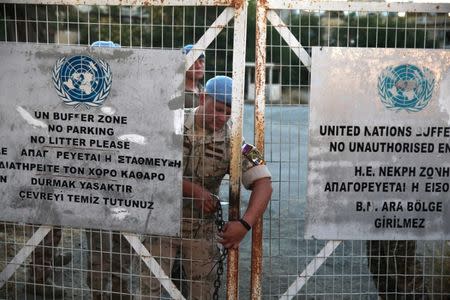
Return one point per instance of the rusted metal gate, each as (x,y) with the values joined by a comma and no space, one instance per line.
(280,263)
(295,268)
(217,28)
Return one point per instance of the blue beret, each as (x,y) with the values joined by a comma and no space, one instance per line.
(186,49)
(220,88)
(106,44)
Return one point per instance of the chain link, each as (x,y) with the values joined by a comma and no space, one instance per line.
(223,251)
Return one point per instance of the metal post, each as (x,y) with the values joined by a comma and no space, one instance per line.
(237,110)
(260,84)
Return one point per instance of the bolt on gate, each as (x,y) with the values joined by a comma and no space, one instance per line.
(278,263)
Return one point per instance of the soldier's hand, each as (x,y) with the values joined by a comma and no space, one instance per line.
(205,202)
(232,235)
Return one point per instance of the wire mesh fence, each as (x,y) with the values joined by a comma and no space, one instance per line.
(68,265)
(345,273)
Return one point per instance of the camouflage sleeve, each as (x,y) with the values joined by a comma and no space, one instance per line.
(253,165)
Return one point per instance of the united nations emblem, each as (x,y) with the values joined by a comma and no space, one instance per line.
(82,79)
(406,87)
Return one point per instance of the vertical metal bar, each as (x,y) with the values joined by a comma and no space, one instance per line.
(15,23)
(406,30)
(57,25)
(377,29)
(357,29)
(78,27)
(5,22)
(435,37)
(26,24)
(151,27)
(120,24)
(237,109)
(173,28)
(111,21)
(141,28)
(37,23)
(99,23)
(162,27)
(131,26)
(89,27)
(46,24)
(415,30)
(260,85)
(446,39)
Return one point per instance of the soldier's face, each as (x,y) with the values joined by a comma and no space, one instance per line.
(216,114)
(197,70)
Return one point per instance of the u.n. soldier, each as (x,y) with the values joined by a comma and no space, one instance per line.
(193,79)
(206,161)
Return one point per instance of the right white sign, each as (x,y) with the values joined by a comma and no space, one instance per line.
(379,144)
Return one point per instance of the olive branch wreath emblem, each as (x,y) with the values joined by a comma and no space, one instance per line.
(99,98)
(427,83)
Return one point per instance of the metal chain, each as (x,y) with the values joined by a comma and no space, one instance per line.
(223,251)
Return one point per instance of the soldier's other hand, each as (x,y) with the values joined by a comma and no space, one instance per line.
(205,202)
(232,235)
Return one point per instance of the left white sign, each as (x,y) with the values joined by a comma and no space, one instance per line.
(91,137)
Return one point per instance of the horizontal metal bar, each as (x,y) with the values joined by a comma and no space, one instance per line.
(359,6)
(129,2)
(18,260)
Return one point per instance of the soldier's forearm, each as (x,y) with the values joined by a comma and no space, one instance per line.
(191,189)
(259,198)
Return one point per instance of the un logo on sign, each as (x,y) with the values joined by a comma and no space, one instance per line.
(82,79)
(406,87)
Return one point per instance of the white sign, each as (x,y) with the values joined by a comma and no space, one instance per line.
(379,151)
(91,137)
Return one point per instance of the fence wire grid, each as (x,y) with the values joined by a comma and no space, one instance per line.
(345,273)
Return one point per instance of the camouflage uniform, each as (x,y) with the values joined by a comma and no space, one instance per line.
(396,271)
(42,258)
(206,161)
(108,260)
(192,99)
